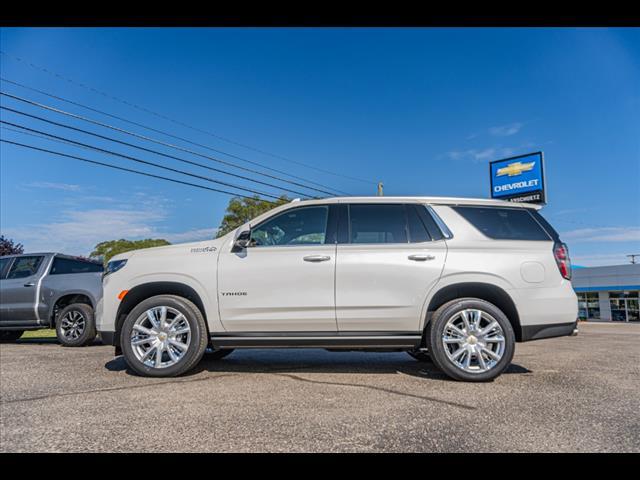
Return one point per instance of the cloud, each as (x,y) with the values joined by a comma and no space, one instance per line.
(600,259)
(77,232)
(569,211)
(506,130)
(480,155)
(603,234)
(191,235)
(67,187)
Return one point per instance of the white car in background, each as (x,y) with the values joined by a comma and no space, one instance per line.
(458,281)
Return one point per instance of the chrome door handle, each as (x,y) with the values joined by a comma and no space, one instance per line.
(316,258)
(30,284)
(421,257)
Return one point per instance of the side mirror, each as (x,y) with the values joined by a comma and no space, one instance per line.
(242,241)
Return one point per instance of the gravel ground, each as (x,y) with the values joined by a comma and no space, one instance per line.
(570,394)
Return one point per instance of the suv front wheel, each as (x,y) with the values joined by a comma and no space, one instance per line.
(470,339)
(163,336)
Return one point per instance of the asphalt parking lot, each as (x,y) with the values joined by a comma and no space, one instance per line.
(574,394)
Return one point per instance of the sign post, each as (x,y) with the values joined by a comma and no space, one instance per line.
(519,179)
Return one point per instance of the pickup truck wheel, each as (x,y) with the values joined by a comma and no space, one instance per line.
(163,336)
(7,336)
(76,326)
(470,339)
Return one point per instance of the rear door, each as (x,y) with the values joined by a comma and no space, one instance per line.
(19,289)
(391,257)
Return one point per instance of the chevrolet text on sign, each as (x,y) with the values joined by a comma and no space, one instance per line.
(518,179)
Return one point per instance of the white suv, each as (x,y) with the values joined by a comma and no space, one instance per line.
(454,280)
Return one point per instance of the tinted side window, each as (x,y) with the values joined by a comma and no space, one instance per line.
(377,223)
(546,225)
(24,267)
(429,222)
(62,266)
(417,231)
(298,226)
(4,265)
(503,223)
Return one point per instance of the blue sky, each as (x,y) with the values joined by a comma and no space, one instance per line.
(423,110)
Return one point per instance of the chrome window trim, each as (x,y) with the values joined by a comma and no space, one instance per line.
(444,229)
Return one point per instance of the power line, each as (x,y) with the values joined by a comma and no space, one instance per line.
(134,159)
(149,150)
(44,137)
(159,142)
(146,174)
(122,119)
(177,122)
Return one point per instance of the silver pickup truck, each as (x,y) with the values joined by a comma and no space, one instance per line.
(49,290)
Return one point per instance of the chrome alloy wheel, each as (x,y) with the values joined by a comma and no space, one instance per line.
(72,324)
(473,341)
(160,337)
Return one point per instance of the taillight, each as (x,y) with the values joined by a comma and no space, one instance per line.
(561,254)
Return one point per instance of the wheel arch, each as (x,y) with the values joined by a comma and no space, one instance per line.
(68,298)
(484,291)
(143,291)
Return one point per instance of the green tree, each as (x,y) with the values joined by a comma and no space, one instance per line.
(8,247)
(108,249)
(241,209)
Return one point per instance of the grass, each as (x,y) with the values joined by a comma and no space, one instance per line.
(45,333)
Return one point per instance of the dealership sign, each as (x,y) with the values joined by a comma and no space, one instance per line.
(518,179)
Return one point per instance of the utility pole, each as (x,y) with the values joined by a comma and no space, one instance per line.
(380,192)
(633,257)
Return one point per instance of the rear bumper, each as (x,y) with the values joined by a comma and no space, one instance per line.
(549,330)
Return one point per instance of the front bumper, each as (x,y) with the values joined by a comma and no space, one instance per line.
(550,330)
(108,338)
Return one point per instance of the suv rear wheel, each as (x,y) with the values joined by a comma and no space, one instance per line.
(470,339)
(163,336)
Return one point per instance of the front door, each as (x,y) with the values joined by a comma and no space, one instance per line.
(283,281)
(390,259)
(19,288)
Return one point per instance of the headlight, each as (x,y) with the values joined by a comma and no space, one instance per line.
(114,266)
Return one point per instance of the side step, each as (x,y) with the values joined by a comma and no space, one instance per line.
(314,341)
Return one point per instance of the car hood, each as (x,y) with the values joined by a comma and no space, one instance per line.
(206,246)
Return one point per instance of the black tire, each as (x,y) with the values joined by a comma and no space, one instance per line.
(197,345)
(421,356)
(10,336)
(87,333)
(217,353)
(435,330)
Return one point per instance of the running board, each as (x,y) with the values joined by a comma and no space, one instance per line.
(315,341)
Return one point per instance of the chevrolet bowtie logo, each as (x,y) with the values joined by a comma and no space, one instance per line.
(514,169)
